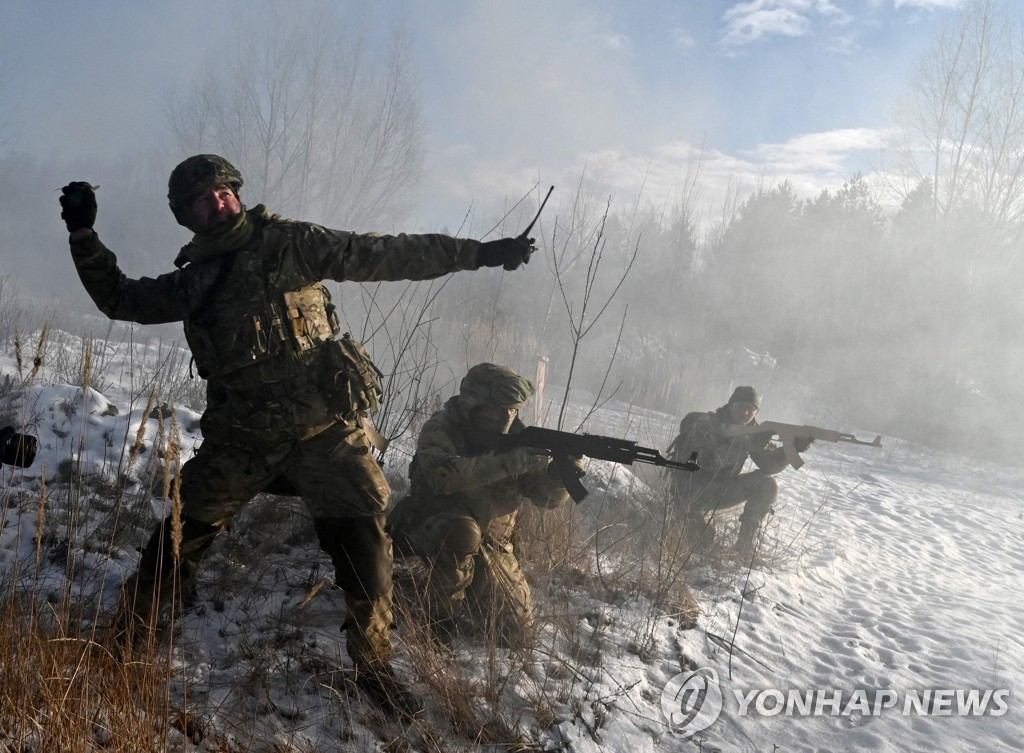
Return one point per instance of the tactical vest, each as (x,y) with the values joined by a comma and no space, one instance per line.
(258,326)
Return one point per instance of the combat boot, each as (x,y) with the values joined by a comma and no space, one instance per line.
(368,629)
(380,684)
(161,577)
(137,612)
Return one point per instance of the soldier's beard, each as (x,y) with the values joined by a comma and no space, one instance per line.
(232,237)
(222,223)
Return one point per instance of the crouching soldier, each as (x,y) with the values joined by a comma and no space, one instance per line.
(721,484)
(460,515)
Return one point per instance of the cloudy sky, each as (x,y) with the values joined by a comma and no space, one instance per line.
(516,92)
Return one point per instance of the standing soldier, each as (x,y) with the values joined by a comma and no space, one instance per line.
(461,511)
(285,397)
(721,483)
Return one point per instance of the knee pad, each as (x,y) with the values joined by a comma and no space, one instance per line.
(462,537)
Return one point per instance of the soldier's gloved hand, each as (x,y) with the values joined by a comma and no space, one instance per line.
(800,444)
(509,253)
(78,205)
(566,466)
(525,460)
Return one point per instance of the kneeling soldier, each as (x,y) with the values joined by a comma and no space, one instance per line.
(461,513)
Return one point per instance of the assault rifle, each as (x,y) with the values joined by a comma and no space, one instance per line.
(788,433)
(564,443)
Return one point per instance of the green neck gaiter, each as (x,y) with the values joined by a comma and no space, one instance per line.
(203,247)
(206,246)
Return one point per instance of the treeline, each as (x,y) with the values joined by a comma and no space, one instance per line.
(892,300)
(900,325)
(904,325)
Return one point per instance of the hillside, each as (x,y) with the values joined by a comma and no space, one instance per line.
(892,578)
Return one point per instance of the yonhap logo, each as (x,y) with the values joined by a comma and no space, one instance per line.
(691,701)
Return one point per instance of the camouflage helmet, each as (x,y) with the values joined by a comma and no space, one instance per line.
(196,174)
(491,384)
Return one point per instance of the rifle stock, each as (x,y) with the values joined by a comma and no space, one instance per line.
(564,443)
(788,433)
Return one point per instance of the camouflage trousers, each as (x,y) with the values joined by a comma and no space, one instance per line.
(346,494)
(756,491)
(474,577)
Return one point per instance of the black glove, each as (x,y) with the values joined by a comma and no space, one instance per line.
(509,253)
(800,444)
(78,205)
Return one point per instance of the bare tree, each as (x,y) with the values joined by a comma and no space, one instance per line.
(963,118)
(322,123)
(955,243)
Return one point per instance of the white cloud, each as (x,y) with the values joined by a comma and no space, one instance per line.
(618,42)
(811,162)
(750,21)
(824,153)
(927,4)
(682,39)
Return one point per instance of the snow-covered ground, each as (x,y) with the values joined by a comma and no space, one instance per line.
(892,591)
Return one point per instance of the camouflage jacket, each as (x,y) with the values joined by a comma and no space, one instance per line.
(451,477)
(719,457)
(269,370)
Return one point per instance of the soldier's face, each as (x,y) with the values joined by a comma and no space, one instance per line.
(493,418)
(215,209)
(742,413)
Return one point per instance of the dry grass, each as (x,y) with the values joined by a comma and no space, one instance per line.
(65,689)
(62,686)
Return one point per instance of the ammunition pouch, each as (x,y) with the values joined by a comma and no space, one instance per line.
(308,320)
(310,315)
(223,342)
(353,379)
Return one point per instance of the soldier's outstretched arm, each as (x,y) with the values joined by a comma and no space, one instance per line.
(339,255)
(365,258)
